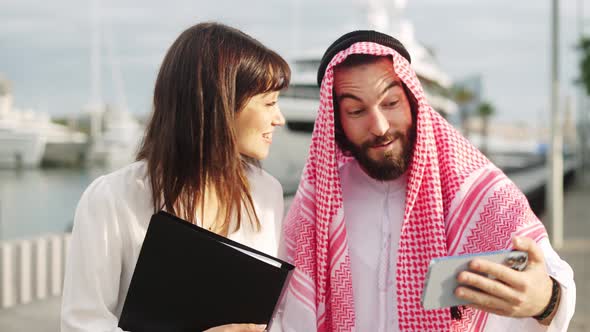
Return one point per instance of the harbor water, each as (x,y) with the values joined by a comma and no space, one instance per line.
(43,200)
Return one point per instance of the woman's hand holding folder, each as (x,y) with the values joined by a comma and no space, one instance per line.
(238,328)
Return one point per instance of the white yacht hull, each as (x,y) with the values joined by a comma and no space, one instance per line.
(65,153)
(299,109)
(111,155)
(64,147)
(288,154)
(21,150)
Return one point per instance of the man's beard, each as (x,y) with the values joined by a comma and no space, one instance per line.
(393,165)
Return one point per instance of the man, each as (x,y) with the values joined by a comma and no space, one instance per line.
(388,186)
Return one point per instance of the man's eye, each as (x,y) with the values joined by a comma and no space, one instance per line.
(357,112)
(392,103)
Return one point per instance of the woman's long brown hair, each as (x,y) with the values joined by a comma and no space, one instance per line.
(207,76)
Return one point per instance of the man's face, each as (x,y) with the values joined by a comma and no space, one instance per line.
(376,117)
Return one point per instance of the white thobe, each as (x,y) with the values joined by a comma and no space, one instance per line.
(373,213)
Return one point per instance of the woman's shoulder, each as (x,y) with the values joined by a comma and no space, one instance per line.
(130,181)
(267,194)
(266,190)
(261,180)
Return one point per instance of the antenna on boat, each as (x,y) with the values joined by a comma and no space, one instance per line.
(95,60)
(295,26)
(115,66)
(95,105)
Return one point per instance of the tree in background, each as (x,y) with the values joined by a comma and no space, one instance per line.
(485,110)
(584,78)
(463,96)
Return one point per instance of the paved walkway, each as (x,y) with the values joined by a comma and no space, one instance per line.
(39,316)
(576,249)
(43,316)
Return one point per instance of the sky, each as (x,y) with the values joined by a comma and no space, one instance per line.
(45,46)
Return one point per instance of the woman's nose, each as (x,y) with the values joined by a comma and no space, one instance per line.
(279,119)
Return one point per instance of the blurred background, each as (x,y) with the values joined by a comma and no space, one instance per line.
(76,82)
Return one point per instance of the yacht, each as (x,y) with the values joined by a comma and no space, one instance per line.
(30,138)
(20,144)
(115,132)
(301,101)
(64,146)
(116,141)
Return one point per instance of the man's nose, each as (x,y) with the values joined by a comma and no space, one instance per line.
(379,124)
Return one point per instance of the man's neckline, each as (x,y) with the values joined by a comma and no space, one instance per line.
(392,186)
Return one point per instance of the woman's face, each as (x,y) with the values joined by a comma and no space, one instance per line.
(255,124)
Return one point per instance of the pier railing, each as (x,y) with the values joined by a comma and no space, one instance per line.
(32,269)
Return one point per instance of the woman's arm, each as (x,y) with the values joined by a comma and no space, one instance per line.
(279,214)
(93,267)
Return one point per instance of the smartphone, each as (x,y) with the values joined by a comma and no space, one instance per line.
(441,280)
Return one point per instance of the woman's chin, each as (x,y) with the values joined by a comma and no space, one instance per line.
(256,155)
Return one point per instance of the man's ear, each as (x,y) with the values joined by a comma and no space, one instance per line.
(339,134)
(412,101)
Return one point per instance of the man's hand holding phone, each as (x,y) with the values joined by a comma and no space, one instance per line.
(510,293)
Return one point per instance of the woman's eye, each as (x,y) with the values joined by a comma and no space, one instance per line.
(271,104)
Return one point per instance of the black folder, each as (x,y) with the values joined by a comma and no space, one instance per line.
(190,279)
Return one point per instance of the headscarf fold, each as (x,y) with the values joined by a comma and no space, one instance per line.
(457,202)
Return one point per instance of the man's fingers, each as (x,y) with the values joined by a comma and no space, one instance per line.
(483,301)
(490,310)
(499,271)
(490,286)
(526,244)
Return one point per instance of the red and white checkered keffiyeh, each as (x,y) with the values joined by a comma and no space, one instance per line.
(456,202)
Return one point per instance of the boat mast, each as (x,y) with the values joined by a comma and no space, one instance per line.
(95,105)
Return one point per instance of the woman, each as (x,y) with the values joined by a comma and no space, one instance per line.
(215,110)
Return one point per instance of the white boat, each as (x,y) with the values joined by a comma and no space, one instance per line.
(115,132)
(301,101)
(117,143)
(29,138)
(20,144)
(64,146)
(19,148)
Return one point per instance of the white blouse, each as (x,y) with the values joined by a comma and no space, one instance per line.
(109,227)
